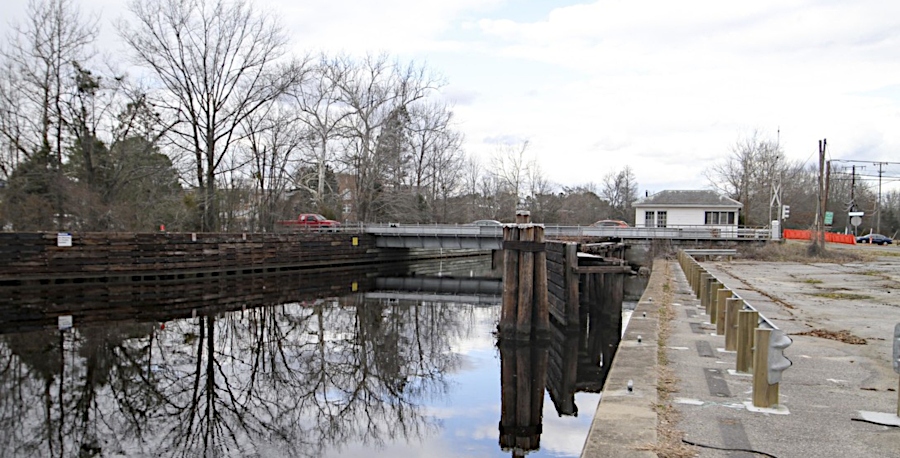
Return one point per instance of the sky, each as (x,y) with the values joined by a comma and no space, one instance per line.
(664,87)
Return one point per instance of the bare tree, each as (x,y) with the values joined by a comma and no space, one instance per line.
(38,73)
(219,62)
(510,165)
(620,189)
(318,101)
(748,174)
(377,93)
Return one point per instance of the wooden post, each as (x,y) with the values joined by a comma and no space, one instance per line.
(572,299)
(541,302)
(523,216)
(761,396)
(526,284)
(704,282)
(711,298)
(747,320)
(722,296)
(712,292)
(732,306)
(508,313)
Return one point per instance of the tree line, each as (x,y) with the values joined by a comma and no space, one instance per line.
(756,166)
(224,129)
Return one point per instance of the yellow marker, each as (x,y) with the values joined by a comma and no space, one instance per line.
(355,241)
(354,286)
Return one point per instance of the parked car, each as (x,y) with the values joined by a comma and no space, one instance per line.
(874,238)
(610,223)
(310,221)
(486,222)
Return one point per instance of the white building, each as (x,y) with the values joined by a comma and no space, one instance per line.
(708,209)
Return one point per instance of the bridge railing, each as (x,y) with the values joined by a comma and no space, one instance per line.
(555,231)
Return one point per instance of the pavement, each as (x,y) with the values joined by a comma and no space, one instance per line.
(822,394)
(830,381)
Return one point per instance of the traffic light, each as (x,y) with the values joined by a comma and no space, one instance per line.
(785,211)
(777,363)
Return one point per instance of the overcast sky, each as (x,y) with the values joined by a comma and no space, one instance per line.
(665,87)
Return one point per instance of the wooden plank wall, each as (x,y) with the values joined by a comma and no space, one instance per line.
(562,281)
(99,254)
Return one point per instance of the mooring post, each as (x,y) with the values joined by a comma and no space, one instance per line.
(526,283)
(508,313)
(542,302)
(747,320)
(722,296)
(732,307)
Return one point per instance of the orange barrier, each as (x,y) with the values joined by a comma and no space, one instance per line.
(797,234)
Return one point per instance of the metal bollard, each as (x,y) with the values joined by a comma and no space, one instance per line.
(732,307)
(747,320)
(722,296)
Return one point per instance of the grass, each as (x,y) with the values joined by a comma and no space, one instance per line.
(797,252)
(668,438)
(845,296)
(812,281)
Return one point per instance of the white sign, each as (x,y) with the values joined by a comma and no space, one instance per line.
(63,239)
(857,213)
(64,322)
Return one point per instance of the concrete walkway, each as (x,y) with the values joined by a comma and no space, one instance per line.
(829,383)
(830,380)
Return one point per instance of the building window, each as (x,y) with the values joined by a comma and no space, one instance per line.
(661,219)
(648,219)
(720,218)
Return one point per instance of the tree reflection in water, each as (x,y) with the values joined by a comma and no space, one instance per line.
(286,380)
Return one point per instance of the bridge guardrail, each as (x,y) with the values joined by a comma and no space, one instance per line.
(759,343)
(640,232)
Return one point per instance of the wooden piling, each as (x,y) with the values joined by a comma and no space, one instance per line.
(526,284)
(747,320)
(711,298)
(704,282)
(722,296)
(732,307)
(572,299)
(542,303)
(508,313)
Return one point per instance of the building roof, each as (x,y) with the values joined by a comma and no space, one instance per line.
(687,198)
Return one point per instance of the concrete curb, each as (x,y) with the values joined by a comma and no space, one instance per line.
(626,421)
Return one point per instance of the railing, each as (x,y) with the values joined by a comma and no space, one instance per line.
(758,342)
(553,231)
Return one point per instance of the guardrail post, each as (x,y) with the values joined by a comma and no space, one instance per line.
(701,290)
(722,296)
(711,298)
(698,271)
(761,385)
(747,320)
(732,306)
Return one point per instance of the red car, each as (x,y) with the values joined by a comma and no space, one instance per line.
(610,223)
(311,221)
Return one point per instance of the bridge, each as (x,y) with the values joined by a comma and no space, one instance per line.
(456,236)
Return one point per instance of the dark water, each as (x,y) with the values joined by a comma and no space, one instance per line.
(285,368)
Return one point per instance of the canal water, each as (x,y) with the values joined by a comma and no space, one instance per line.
(269,372)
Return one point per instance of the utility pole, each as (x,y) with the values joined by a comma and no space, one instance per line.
(820,216)
(878,202)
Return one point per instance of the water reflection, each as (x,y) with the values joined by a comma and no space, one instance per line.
(283,368)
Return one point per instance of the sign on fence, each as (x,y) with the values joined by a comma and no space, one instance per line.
(63,239)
